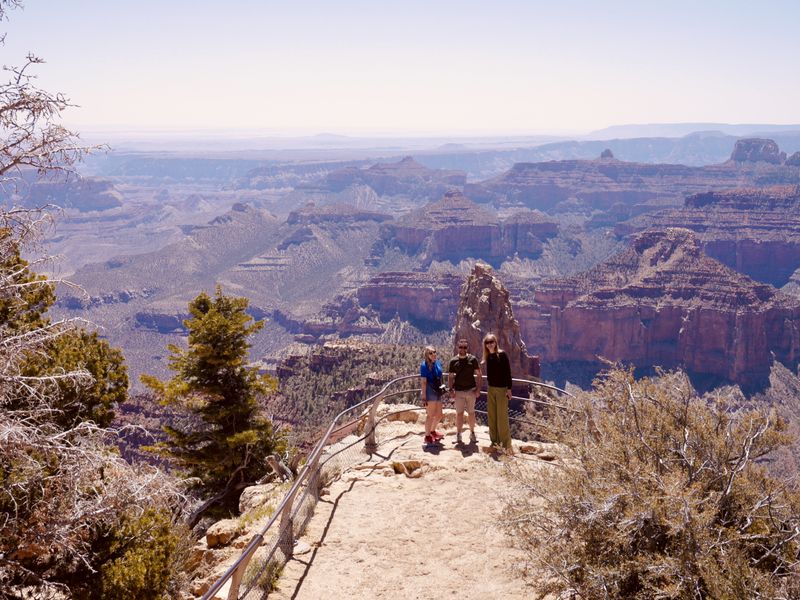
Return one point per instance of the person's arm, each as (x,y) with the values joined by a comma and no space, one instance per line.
(509,383)
(423,384)
(451,377)
(478,379)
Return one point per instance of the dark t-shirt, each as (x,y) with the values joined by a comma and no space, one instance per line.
(464,369)
(498,370)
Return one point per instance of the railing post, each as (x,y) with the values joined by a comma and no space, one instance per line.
(286,528)
(371,444)
(238,574)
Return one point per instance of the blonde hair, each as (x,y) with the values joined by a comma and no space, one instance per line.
(425,353)
(489,337)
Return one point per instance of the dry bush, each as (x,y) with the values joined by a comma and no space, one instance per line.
(75,519)
(63,494)
(661,496)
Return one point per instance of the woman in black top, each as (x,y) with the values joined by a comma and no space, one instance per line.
(498,375)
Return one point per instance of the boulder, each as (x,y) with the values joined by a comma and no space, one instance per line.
(257,495)
(222,532)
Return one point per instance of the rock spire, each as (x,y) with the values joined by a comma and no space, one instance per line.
(484,308)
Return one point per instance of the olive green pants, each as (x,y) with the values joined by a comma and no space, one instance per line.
(497,411)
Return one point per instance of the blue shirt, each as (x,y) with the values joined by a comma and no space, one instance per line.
(432,373)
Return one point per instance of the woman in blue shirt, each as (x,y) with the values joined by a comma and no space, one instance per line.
(430,383)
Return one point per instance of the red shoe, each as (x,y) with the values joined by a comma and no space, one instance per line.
(428,440)
(437,436)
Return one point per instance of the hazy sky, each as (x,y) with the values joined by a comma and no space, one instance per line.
(347,66)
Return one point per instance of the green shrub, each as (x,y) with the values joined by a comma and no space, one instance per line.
(140,558)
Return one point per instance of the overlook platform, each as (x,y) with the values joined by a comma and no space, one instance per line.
(413,523)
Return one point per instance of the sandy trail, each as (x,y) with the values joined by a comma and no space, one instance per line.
(382,535)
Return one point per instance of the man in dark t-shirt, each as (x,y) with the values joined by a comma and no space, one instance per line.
(464,382)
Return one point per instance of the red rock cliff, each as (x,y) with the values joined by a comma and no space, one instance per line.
(663,302)
(754,230)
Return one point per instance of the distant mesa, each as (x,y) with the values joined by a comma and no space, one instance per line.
(406,177)
(794,160)
(606,154)
(663,302)
(333,213)
(753,230)
(566,185)
(757,150)
(454,228)
(85,194)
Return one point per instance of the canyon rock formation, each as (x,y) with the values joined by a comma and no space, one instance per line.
(428,300)
(406,177)
(556,186)
(663,302)
(757,150)
(755,230)
(484,307)
(455,228)
(87,194)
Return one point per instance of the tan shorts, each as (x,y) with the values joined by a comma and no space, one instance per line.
(464,400)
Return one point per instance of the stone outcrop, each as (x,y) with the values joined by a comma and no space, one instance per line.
(564,186)
(757,150)
(484,307)
(663,302)
(754,230)
(407,177)
(455,228)
(428,300)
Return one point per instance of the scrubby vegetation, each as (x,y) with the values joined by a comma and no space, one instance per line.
(661,496)
(75,519)
(314,388)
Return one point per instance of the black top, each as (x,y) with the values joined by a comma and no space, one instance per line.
(464,371)
(498,370)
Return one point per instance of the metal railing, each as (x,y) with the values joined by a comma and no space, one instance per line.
(255,571)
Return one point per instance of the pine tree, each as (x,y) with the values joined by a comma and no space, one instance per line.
(225,438)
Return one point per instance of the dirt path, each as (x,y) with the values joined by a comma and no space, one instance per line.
(383,535)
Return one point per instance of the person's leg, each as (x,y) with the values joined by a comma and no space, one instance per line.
(491,412)
(439,414)
(459,402)
(430,411)
(503,427)
(470,405)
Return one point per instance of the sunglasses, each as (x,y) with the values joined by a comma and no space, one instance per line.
(430,353)
(490,342)
(463,347)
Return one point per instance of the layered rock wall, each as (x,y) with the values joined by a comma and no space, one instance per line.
(455,228)
(424,298)
(599,184)
(753,230)
(662,302)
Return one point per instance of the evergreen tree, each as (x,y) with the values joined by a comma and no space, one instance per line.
(92,400)
(226,438)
